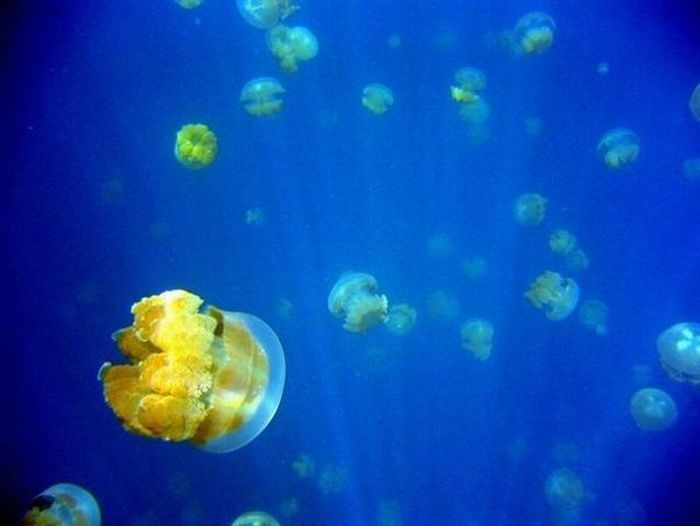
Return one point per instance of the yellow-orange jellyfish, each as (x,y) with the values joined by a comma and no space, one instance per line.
(255,518)
(377,98)
(212,378)
(618,148)
(402,318)
(562,242)
(593,315)
(477,337)
(534,33)
(189,4)
(63,505)
(653,409)
(196,146)
(265,14)
(291,45)
(468,82)
(694,103)
(354,298)
(556,294)
(261,96)
(530,209)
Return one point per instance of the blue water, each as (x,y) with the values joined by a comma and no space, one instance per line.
(97,213)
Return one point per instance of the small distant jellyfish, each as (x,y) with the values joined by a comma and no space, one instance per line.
(533,126)
(255,518)
(618,148)
(443,306)
(304,466)
(265,14)
(477,337)
(189,4)
(556,294)
(354,298)
(377,98)
(261,96)
(476,113)
(576,261)
(63,505)
(562,242)
(593,315)
(394,41)
(679,350)
(332,479)
(694,103)
(691,169)
(195,146)
(602,68)
(474,268)
(469,81)
(401,319)
(653,409)
(255,216)
(530,209)
(291,45)
(564,489)
(534,33)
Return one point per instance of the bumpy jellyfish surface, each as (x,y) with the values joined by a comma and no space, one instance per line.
(255,518)
(468,82)
(679,350)
(262,96)
(212,378)
(189,4)
(593,315)
(63,505)
(653,409)
(401,319)
(534,33)
(618,148)
(291,45)
(195,146)
(477,337)
(563,489)
(694,103)
(265,14)
(530,209)
(556,294)
(377,98)
(562,242)
(354,298)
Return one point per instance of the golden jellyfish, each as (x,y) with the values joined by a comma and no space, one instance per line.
(556,294)
(679,350)
(63,505)
(593,315)
(213,378)
(255,518)
(291,45)
(377,98)
(195,146)
(468,82)
(401,319)
(562,242)
(534,33)
(265,14)
(530,209)
(653,409)
(475,268)
(477,337)
(189,4)
(618,148)
(694,103)
(262,96)
(354,298)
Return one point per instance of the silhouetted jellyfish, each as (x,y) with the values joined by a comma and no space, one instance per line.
(265,14)
(618,148)
(679,350)
(529,209)
(212,378)
(694,103)
(189,4)
(468,82)
(562,242)
(255,518)
(291,45)
(593,315)
(377,98)
(653,409)
(556,294)
(534,33)
(477,336)
(354,298)
(564,489)
(63,505)
(195,146)
(401,319)
(261,96)
(576,261)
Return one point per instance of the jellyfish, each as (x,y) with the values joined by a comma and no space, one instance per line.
(562,242)
(377,98)
(304,466)
(556,294)
(679,350)
(478,112)
(443,306)
(534,33)
(289,507)
(255,216)
(653,409)
(474,268)
(593,315)
(694,103)
(195,146)
(211,378)
(291,45)
(63,505)
(564,489)
(354,298)
(255,518)
(576,261)
(261,96)
(265,14)
(332,479)
(189,4)
(529,209)
(618,148)
(469,81)
(401,319)
(477,336)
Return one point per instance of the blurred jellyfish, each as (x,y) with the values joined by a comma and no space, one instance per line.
(593,315)
(255,216)
(255,518)
(691,169)
(679,350)
(694,103)
(440,246)
(261,96)
(468,83)
(474,268)
(602,68)
(291,45)
(265,14)
(530,209)
(377,98)
(388,514)
(564,489)
(195,146)
(558,295)
(477,336)
(394,41)
(443,306)
(112,190)
(332,479)
(618,148)
(534,33)
(289,507)
(354,298)
(562,242)
(189,4)
(284,308)
(653,409)
(477,112)
(401,319)
(304,466)
(576,261)
(63,505)
(533,126)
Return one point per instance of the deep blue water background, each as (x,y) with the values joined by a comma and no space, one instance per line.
(94,92)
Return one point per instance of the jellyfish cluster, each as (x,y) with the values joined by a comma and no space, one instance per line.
(554,293)
(477,337)
(63,505)
(618,148)
(195,146)
(354,299)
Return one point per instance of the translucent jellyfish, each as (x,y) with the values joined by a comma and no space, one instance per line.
(602,68)
(255,518)
(195,146)
(468,83)
(284,308)
(63,505)
(534,33)
(354,298)
(291,45)
(653,409)
(289,507)
(377,98)
(691,169)
(593,315)
(556,294)
(189,4)
(265,14)
(562,242)
(401,319)
(255,216)
(477,112)
(618,148)
(530,209)
(332,479)
(564,489)
(679,350)
(694,103)
(212,378)
(304,466)
(443,306)
(477,336)
(474,268)
(577,261)
(261,96)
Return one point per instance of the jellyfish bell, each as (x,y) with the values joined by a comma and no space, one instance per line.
(593,315)
(556,294)
(694,103)
(562,242)
(291,45)
(564,489)
(65,505)
(653,409)
(377,98)
(255,518)
(265,14)
(618,148)
(262,96)
(354,298)
(679,351)
(401,319)
(468,82)
(195,146)
(530,209)
(477,336)
(534,33)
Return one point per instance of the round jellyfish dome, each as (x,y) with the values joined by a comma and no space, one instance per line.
(563,489)
(468,82)
(63,504)
(694,103)
(354,298)
(477,336)
(679,351)
(653,409)
(593,315)
(255,518)
(401,319)
(195,146)
(618,148)
(291,44)
(377,98)
(530,209)
(265,14)
(261,96)
(556,294)
(534,33)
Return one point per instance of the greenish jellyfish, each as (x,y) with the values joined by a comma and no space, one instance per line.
(653,409)
(477,337)
(554,293)
(255,518)
(265,14)
(618,148)
(63,505)
(377,98)
(534,33)
(530,209)
(262,96)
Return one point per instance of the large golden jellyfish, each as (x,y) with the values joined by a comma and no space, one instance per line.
(556,294)
(377,98)
(530,209)
(468,83)
(401,319)
(291,45)
(534,33)
(265,14)
(63,505)
(679,350)
(618,148)
(694,103)
(354,298)
(653,409)
(477,337)
(212,378)
(195,146)
(261,96)
(255,518)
